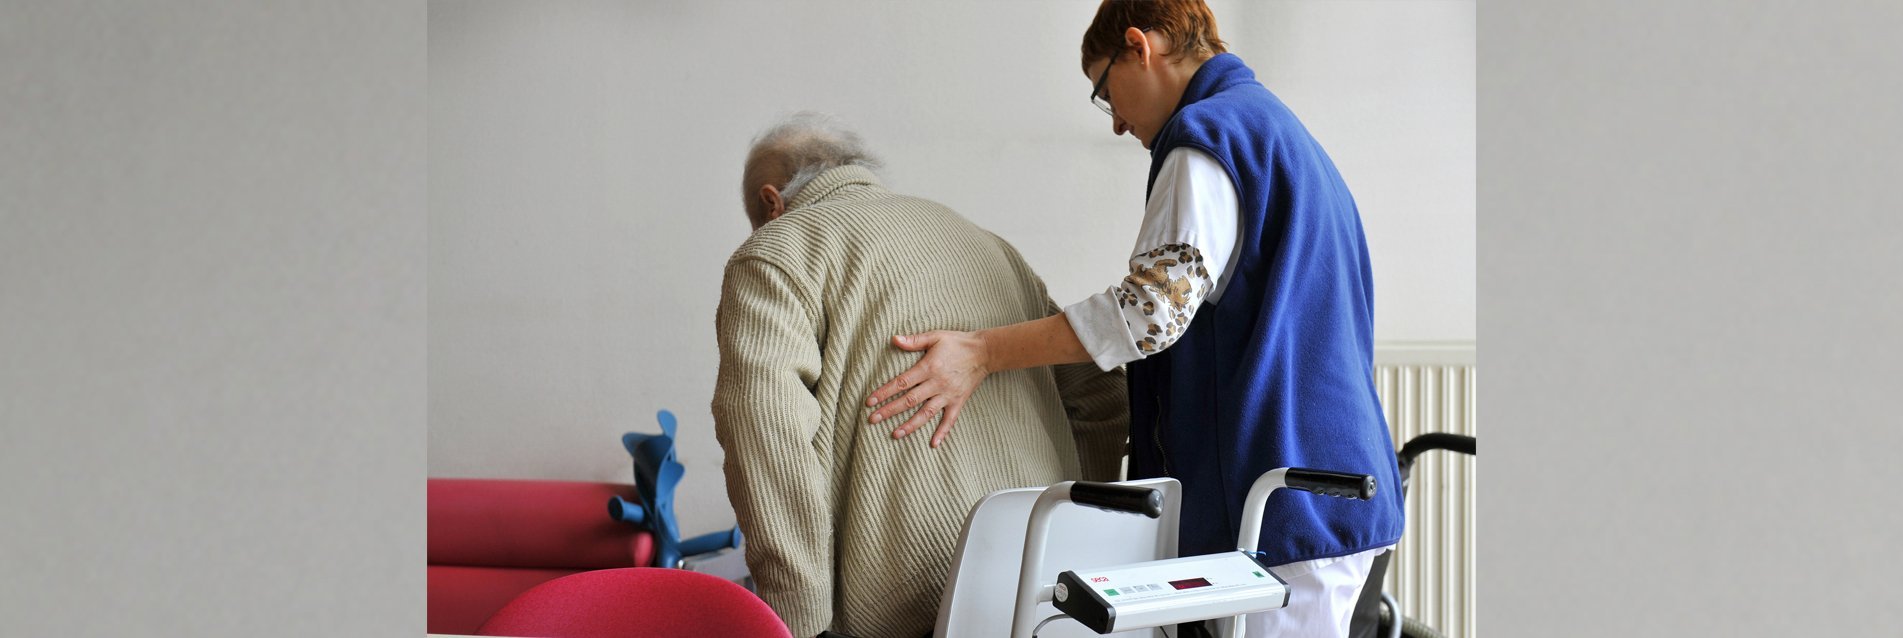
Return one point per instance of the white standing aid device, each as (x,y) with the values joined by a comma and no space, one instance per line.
(980,592)
(1165,593)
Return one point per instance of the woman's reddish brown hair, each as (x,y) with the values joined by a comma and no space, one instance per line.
(1187,23)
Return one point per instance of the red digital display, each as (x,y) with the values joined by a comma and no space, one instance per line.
(1190,584)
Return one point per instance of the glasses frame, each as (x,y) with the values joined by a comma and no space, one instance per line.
(1096,90)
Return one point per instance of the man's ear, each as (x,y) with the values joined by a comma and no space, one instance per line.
(770,202)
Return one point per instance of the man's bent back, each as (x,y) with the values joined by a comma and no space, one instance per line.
(846,528)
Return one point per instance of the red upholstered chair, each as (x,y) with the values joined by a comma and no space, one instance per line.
(644,602)
(491,540)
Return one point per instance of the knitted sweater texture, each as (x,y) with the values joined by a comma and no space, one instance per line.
(846,528)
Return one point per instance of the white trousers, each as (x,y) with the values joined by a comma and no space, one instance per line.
(1321,598)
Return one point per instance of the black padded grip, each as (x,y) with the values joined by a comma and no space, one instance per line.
(1326,483)
(1436,441)
(1147,501)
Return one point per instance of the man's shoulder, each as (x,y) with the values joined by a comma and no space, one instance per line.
(833,224)
(789,238)
(813,239)
(883,204)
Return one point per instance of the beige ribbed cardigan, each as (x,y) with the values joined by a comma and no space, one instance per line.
(846,528)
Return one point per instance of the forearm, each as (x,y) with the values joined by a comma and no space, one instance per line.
(1039,342)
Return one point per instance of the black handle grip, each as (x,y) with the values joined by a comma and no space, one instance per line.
(1147,501)
(1326,483)
(1436,441)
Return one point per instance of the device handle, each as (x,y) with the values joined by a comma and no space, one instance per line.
(1436,441)
(1147,501)
(1326,483)
(621,509)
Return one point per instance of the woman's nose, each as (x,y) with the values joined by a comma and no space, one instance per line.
(1117,126)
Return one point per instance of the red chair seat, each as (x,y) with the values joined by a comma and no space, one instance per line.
(637,602)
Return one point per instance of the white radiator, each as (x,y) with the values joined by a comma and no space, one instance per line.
(1430,388)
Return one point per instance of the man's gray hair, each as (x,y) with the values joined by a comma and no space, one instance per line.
(802,146)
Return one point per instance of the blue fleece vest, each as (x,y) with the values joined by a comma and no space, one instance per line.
(1280,373)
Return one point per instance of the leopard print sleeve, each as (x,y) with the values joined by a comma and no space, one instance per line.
(1160,296)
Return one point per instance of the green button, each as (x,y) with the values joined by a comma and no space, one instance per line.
(1259,575)
(1112,592)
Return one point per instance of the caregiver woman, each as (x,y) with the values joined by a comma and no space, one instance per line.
(1246,319)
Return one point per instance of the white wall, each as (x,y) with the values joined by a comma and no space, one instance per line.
(585,159)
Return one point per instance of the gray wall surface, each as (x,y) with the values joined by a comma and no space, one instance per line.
(1691,269)
(212,256)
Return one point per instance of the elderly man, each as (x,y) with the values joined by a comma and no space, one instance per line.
(848,529)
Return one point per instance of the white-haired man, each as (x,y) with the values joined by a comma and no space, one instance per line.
(847,529)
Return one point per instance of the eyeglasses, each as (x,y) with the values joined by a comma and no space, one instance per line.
(1096,92)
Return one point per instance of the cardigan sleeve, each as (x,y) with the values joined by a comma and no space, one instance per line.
(767,419)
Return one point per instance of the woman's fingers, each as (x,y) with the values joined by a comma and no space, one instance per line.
(920,418)
(936,386)
(920,372)
(895,386)
(917,342)
(917,373)
(945,424)
(912,398)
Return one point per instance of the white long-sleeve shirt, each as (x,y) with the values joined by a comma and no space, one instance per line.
(1184,253)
